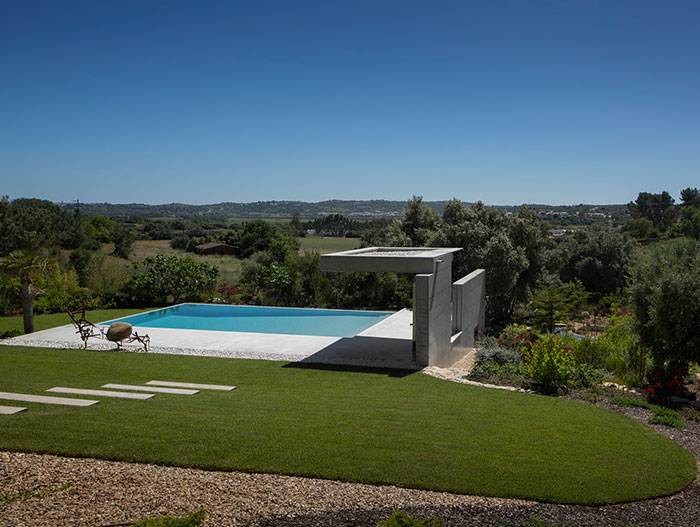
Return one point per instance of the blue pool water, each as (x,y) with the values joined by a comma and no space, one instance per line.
(257,319)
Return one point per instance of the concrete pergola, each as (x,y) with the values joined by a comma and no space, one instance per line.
(446,315)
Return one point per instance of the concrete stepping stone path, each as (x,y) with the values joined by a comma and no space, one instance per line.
(192,385)
(177,391)
(46,399)
(8,410)
(100,393)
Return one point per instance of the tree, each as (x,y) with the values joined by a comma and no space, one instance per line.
(165,280)
(32,224)
(598,255)
(641,228)
(123,242)
(690,221)
(665,297)
(554,304)
(257,236)
(100,228)
(418,221)
(690,197)
(25,265)
(658,208)
(80,261)
(510,248)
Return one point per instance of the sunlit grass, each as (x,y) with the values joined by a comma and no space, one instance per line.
(383,427)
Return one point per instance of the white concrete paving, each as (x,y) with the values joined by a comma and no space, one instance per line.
(9,410)
(221,387)
(176,391)
(100,393)
(386,344)
(27,398)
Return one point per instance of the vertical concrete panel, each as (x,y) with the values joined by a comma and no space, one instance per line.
(469,308)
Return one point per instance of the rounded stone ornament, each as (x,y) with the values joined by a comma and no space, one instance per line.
(119,331)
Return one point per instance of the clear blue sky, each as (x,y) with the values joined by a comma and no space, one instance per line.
(507,102)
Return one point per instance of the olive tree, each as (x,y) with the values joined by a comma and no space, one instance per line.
(599,255)
(510,248)
(665,296)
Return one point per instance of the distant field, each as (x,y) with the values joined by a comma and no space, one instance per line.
(229,266)
(328,245)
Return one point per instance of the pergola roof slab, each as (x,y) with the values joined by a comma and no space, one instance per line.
(414,260)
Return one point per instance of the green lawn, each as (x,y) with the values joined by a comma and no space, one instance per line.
(396,428)
(16,323)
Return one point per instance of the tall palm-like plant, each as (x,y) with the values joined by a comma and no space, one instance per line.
(25,265)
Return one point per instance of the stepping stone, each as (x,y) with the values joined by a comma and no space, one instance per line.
(193,385)
(177,391)
(101,393)
(7,410)
(46,399)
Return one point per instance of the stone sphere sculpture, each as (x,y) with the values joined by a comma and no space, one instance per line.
(119,331)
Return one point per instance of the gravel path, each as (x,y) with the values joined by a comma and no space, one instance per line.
(44,490)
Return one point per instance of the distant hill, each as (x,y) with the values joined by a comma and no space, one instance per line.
(258,209)
(351,208)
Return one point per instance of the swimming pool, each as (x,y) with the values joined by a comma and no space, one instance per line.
(259,319)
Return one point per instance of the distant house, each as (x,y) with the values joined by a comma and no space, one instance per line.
(216,248)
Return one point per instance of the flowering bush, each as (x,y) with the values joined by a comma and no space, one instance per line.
(518,337)
(665,384)
(549,361)
(228,292)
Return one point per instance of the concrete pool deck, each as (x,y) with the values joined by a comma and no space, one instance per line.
(386,344)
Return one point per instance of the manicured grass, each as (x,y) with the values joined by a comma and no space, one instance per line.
(396,428)
(61,319)
(328,245)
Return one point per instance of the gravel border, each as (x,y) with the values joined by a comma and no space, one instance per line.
(58,491)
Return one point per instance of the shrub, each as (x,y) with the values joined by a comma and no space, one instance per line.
(62,293)
(501,374)
(585,375)
(548,362)
(105,278)
(591,352)
(10,289)
(518,337)
(229,292)
(663,416)
(401,519)
(498,354)
(665,384)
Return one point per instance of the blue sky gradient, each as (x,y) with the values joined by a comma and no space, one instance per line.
(507,102)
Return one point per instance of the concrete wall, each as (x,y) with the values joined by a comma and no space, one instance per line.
(433,308)
(447,316)
(468,310)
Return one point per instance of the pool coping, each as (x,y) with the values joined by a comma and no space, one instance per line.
(386,344)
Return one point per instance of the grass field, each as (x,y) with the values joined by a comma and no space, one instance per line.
(229,266)
(409,430)
(328,245)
